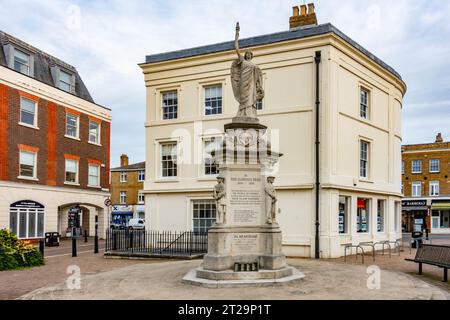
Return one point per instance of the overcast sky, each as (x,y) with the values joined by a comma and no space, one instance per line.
(105,40)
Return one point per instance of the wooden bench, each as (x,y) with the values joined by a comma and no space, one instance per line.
(435,255)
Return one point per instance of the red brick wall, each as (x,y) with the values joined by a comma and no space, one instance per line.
(4,90)
(52,143)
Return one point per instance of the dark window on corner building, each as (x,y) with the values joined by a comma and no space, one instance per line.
(170,105)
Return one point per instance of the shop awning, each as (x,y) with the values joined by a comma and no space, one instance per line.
(440,205)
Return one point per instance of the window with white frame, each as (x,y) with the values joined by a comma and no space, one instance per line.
(123,176)
(344,210)
(27,223)
(381,204)
(21,62)
(434,188)
(416,166)
(72,125)
(141,198)
(27,164)
(416,189)
(210,167)
(213,100)
(403,167)
(65,81)
(364,103)
(363,215)
(203,215)
(169,159)
(71,171)
(141,175)
(28,114)
(435,165)
(94,175)
(364,147)
(123,197)
(94,132)
(259,104)
(170,105)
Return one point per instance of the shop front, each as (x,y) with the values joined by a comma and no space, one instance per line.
(440,217)
(414,215)
(120,215)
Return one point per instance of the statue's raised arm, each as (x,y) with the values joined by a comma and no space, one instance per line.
(236,40)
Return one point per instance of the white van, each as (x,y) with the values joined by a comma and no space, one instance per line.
(136,224)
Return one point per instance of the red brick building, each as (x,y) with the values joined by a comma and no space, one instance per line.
(55,142)
(426,186)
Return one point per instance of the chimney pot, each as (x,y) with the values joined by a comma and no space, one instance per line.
(310,8)
(295,11)
(303,10)
(123,160)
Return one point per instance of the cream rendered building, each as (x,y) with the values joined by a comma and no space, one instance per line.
(359,124)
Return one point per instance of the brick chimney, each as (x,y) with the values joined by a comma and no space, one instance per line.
(123,160)
(303,17)
(439,138)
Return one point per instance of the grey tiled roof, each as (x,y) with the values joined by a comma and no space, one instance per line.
(42,65)
(267,39)
(131,167)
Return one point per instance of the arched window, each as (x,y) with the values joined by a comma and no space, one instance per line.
(26,219)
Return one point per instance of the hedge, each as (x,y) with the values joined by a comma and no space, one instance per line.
(15,254)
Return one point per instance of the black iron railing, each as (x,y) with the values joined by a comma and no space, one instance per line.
(156,242)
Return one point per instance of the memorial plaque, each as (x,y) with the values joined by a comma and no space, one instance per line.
(245,197)
(245,243)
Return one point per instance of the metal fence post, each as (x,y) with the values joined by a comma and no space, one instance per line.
(74,246)
(41,247)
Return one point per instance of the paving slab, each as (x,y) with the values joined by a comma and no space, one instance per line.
(323,280)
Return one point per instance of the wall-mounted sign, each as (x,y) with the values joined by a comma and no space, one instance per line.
(122,208)
(27,204)
(414,203)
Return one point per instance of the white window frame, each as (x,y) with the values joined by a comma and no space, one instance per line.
(367,159)
(123,197)
(77,173)
(416,186)
(77,128)
(412,166)
(98,132)
(210,86)
(438,166)
(175,106)
(434,188)
(204,157)
(70,84)
(194,218)
(161,161)
(141,198)
(34,177)
(35,118)
(27,211)
(364,107)
(141,175)
(123,176)
(98,176)
(28,64)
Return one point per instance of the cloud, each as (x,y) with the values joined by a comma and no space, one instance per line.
(106,40)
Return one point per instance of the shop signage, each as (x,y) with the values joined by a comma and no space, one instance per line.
(361,204)
(414,203)
(122,208)
(27,204)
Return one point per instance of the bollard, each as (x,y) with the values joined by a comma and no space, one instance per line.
(96,235)
(41,247)
(74,247)
(85,236)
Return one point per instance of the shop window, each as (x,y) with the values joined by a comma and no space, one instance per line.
(363,215)
(26,219)
(344,209)
(381,204)
(204,215)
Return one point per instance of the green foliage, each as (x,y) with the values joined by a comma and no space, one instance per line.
(16,254)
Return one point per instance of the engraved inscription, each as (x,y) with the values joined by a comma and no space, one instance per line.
(245,197)
(245,243)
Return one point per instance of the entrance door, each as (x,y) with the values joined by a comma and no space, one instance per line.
(445,216)
(435,222)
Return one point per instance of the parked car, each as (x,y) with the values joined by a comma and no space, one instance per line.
(136,224)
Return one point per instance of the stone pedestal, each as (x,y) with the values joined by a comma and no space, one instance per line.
(245,236)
